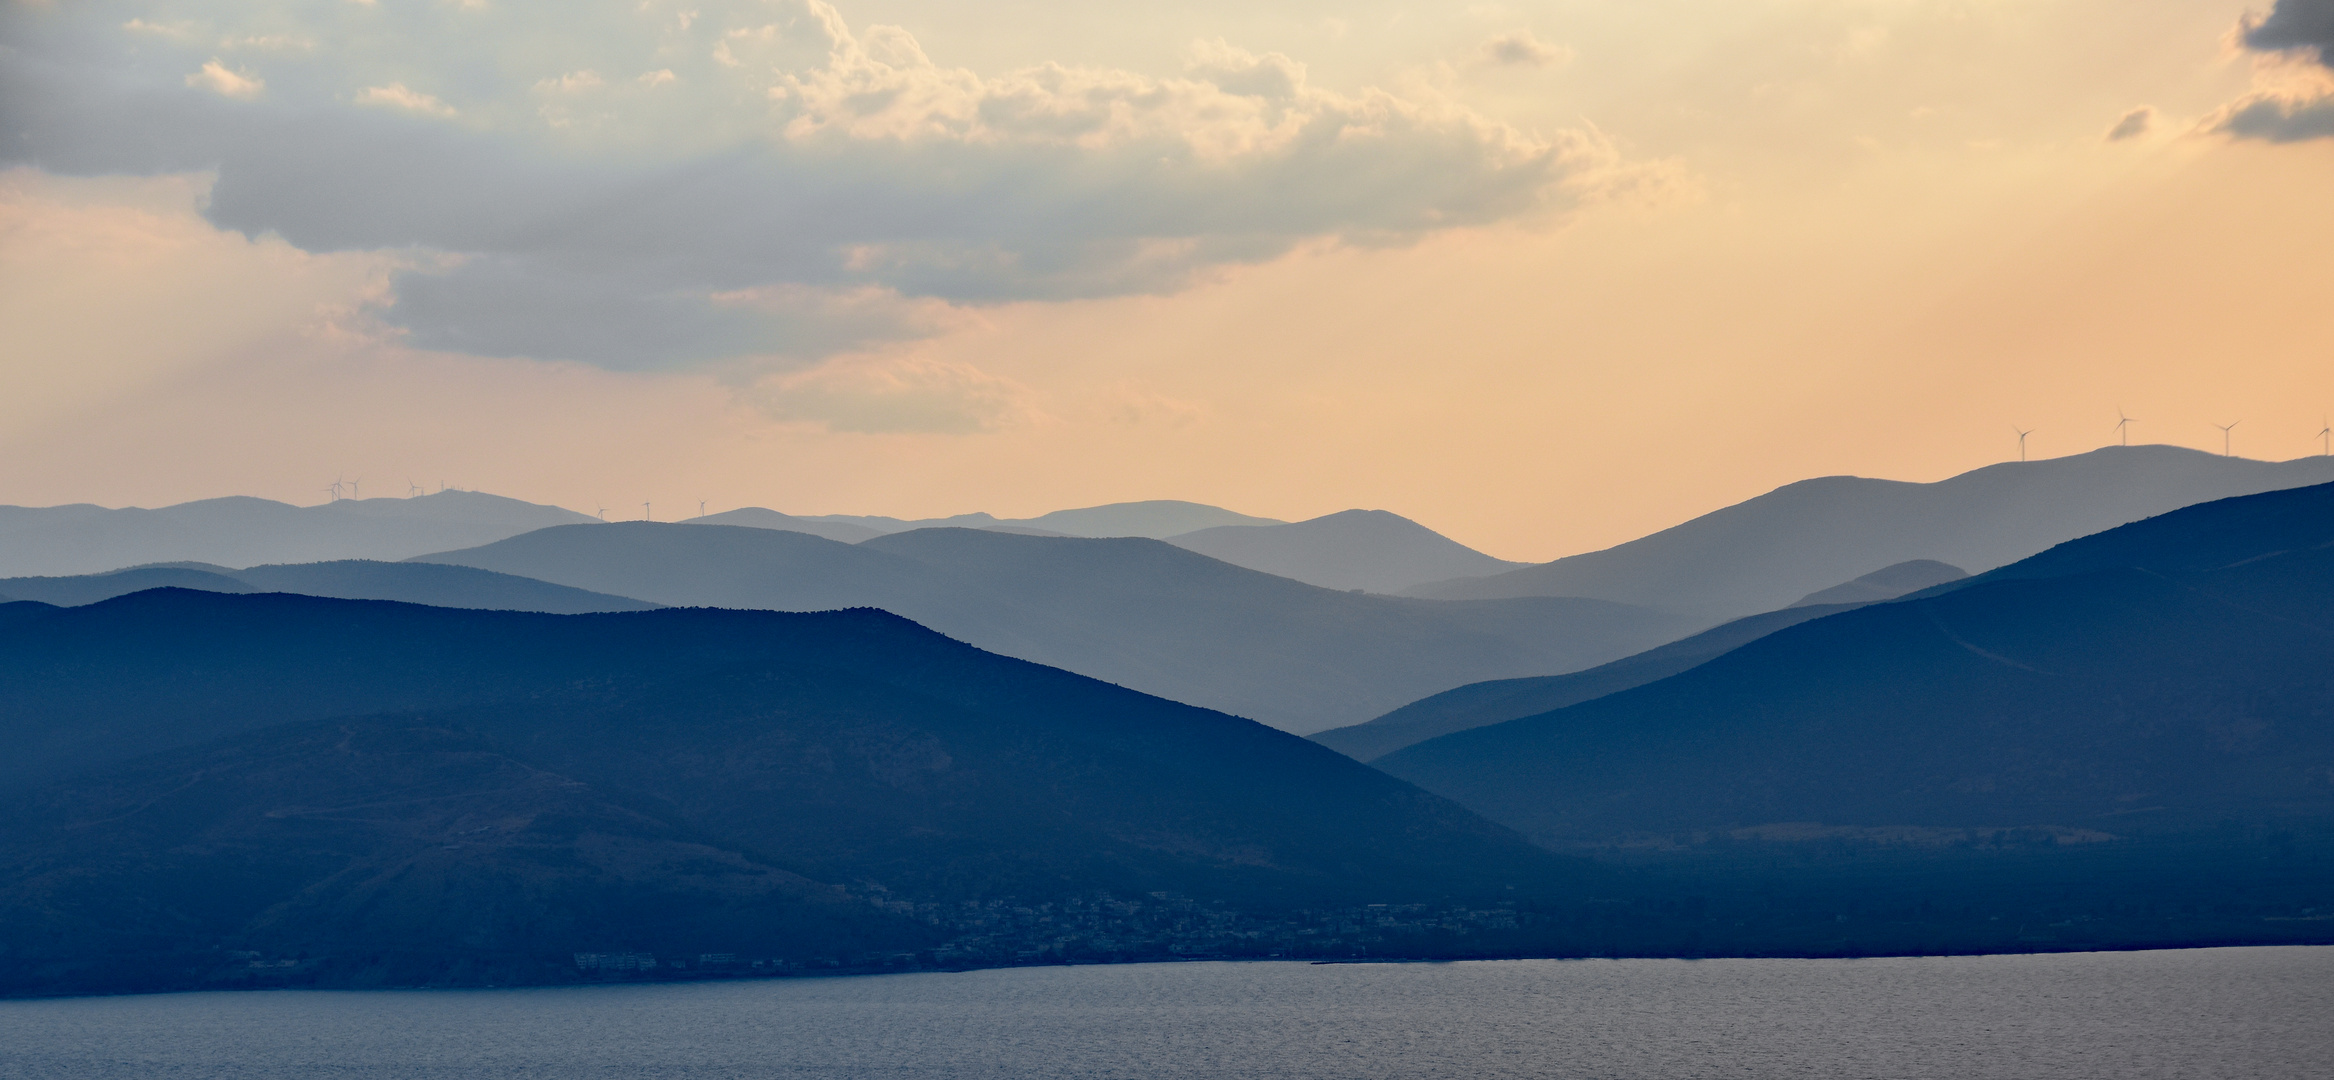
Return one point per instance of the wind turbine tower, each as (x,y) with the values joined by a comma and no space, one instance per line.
(2123,427)
(644,514)
(2325,437)
(2022,440)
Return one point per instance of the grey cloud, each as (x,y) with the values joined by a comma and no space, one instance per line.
(2277,119)
(878,175)
(2133,124)
(1521,49)
(2295,24)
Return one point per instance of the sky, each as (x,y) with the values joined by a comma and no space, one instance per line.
(1542,276)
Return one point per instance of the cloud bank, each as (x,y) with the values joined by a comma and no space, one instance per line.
(645,186)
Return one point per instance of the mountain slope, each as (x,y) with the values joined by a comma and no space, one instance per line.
(352,579)
(82,539)
(1354,549)
(1497,701)
(2121,699)
(193,771)
(1766,552)
(754,517)
(1886,583)
(1137,612)
(1156,519)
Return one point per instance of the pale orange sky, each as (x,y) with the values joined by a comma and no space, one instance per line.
(1796,239)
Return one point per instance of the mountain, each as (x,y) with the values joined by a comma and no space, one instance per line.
(1886,583)
(1137,612)
(1764,553)
(754,517)
(349,579)
(195,786)
(1372,550)
(1497,701)
(84,539)
(1156,519)
(2160,679)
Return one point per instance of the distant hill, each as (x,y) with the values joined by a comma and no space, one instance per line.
(754,517)
(2160,679)
(350,579)
(84,539)
(1767,552)
(1157,519)
(1137,612)
(386,793)
(1353,549)
(1498,701)
(1886,583)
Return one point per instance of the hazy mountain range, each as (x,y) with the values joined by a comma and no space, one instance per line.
(1355,549)
(1137,612)
(1770,551)
(2156,678)
(83,539)
(393,789)
(349,579)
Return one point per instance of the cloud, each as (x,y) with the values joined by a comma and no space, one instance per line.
(2133,124)
(2293,25)
(397,95)
(218,79)
(1520,49)
(2293,98)
(773,151)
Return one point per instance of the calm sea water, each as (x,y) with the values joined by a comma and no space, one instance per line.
(2202,1013)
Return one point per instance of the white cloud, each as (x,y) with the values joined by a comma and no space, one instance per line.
(219,79)
(397,95)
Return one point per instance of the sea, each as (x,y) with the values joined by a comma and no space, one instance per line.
(2253,1013)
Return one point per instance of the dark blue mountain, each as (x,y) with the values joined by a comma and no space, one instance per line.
(392,793)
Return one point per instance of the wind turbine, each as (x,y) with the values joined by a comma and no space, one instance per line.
(644,514)
(337,484)
(2123,426)
(2325,437)
(356,489)
(603,511)
(411,489)
(2022,440)
(700,508)
(2225,429)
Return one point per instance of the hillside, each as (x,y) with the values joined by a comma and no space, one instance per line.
(387,789)
(1371,550)
(83,539)
(2157,679)
(1497,701)
(1137,612)
(1157,519)
(1767,552)
(353,579)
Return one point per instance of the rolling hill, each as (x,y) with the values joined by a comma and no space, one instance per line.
(1767,552)
(1372,550)
(1155,518)
(83,539)
(351,579)
(1137,612)
(380,792)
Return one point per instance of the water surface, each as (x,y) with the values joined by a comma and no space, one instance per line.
(2265,1013)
